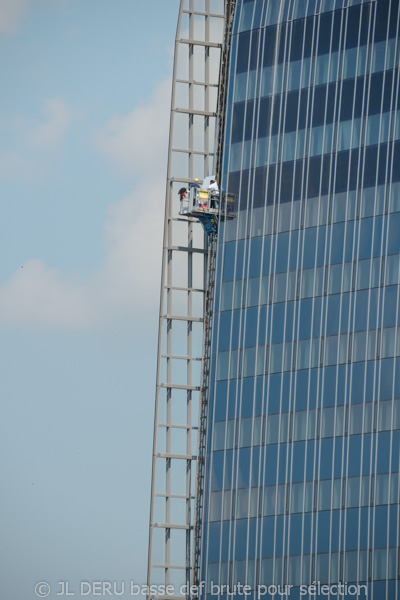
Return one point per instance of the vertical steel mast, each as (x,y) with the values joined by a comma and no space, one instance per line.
(191,155)
(230,6)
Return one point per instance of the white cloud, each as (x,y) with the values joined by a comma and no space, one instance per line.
(128,279)
(136,142)
(40,295)
(11,12)
(29,144)
(58,117)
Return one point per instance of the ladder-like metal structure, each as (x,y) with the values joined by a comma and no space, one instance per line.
(183,296)
(186,302)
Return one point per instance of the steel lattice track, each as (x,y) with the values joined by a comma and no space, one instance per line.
(207,332)
(208,309)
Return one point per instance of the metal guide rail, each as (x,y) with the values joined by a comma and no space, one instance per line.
(203,205)
(208,312)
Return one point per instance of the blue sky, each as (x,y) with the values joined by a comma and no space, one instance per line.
(84,113)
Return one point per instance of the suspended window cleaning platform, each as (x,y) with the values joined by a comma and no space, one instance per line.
(204,204)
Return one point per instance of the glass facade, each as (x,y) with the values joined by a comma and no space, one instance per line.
(302,469)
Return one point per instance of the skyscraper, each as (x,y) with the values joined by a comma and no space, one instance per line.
(302,456)
(302,482)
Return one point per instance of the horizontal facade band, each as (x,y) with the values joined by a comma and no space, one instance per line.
(179,386)
(182,219)
(170,526)
(193,81)
(193,111)
(197,152)
(200,43)
(203,14)
(174,496)
(188,249)
(177,456)
(176,357)
(183,318)
(183,289)
(173,426)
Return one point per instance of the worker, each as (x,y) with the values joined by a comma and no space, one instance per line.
(213,187)
(196,184)
(214,193)
(182,193)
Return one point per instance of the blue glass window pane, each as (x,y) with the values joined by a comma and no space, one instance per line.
(375,95)
(362,60)
(350,63)
(316,140)
(391,54)
(240,87)
(267,81)
(217,471)
(366,236)
(385,127)
(276,356)
(299,9)
(248,132)
(294,75)
(353,26)
(321,72)
(323,539)
(372,134)
(381,525)
(324,33)
(337,248)
(305,318)
(243,52)
(233,372)
(253,290)
(223,365)
(390,306)
(289,146)
(301,137)
(354,466)
(220,400)
(282,252)
(227,295)
(219,435)
(237,122)
(388,342)
(235,158)
(230,433)
(272,13)
(246,16)
(298,461)
(378,57)
(307,283)
(238,294)
(373,309)
(333,66)
(394,234)
(310,239)
(273,149)
(392,270)
(344,135)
